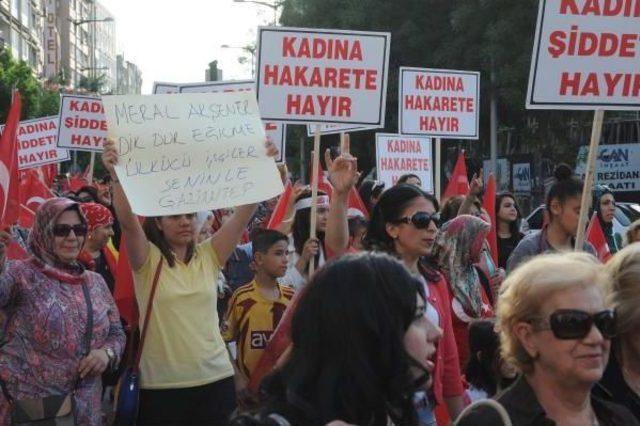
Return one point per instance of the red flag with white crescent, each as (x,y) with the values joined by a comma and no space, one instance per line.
(9,173)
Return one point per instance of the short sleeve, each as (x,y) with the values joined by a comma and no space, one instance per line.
(205,248)
(143,276)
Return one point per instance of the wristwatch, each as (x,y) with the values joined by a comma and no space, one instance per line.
(112,357)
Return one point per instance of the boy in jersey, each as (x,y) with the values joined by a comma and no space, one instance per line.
(256,308)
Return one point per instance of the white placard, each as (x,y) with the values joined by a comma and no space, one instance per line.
(617,166)
(586,55)
(82,125)
(439,103)
(397,155)
(37,143)
(521,177)
(276,131)
(182,153)
(322,76)
(332,129)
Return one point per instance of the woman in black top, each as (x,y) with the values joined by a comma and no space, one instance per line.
(508,219)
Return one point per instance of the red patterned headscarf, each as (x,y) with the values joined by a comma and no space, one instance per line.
(97,215)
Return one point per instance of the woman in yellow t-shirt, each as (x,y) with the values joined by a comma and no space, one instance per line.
(186,375)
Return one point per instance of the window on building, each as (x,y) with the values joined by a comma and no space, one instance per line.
(25,13)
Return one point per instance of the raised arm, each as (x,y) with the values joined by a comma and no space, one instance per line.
(136,240)
(343,175)
(475,188)
(228,236)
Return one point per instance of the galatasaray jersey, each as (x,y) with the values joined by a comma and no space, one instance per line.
(251,320)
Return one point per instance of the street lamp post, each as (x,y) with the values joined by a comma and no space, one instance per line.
(248,49)
(274,6)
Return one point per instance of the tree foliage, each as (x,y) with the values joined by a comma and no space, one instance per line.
(37,101)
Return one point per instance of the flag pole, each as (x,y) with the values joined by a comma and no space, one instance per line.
(596,133)
(314,192)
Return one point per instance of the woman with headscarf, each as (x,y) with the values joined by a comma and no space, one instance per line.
(49,346)
(458,247)
(604,204)
(97,256)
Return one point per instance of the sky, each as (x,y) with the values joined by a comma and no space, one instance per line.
(174,41)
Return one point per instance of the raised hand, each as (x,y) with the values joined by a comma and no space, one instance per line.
(343,171)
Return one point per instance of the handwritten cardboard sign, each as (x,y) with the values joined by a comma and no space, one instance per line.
(37,143)
(586,55)
(182,153)
(322,76)
(82,124)
(439,103)
(332,129)
(397,155)
(275,131)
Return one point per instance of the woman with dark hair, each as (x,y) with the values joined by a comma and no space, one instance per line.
(404,223)
(87,194)
(563,207)
(361,346)
(508,219)
(410,179)
(604,204)
(185,370)
(486,372)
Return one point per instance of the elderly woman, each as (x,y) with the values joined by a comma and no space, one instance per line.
(555,328)
(63,329)
(621,380)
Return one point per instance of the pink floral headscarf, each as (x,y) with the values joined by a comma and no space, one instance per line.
(41,240)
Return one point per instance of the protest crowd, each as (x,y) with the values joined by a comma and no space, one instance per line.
(197,282)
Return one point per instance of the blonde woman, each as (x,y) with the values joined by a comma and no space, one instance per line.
(555,328)
(621,380)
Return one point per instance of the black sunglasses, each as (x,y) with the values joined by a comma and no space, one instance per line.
(421,220)
(572,324)
(63,230)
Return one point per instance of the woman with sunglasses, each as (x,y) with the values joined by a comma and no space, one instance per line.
(186,374)
(621,380)
(404,224)
(556,329)
(63,329)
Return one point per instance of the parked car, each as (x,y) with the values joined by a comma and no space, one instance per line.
(626,213)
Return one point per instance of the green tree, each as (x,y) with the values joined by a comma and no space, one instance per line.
(36,100)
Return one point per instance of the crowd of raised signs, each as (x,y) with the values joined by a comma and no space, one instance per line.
(411,313)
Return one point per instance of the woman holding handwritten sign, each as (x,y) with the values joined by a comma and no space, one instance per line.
(186,374)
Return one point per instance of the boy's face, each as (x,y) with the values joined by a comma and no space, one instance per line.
(274,262)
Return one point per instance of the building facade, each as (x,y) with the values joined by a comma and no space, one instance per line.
(129,77)
(21,30)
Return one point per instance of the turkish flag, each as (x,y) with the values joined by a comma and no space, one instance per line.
(459,182)
(595,235)
(356,205)
(16,252)
(124,293)
(489,204)
(49,173)
(33,192)
(281,207)
(9,174)
(323,179)
(76,182)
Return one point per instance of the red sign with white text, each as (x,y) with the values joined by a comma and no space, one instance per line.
(82,126)
(586,55)
(322,76)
